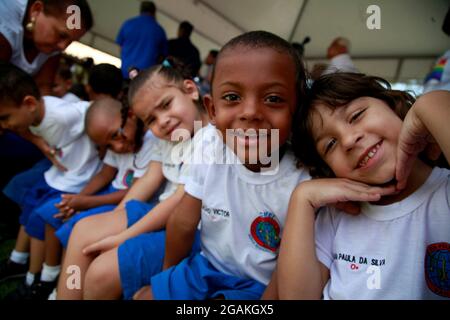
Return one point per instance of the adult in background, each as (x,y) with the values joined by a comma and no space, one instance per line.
(33,33)
(182,49)
(142,40)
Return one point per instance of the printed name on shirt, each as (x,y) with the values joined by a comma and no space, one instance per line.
(216,212)
(359,260)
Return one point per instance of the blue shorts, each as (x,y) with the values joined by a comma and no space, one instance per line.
(22,183)
(48,210)
(142,257)
(33,199)
(195,278)
(136,210)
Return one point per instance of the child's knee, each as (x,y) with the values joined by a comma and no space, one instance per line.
(103,270)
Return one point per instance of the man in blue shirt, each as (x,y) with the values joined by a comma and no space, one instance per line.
(142,39)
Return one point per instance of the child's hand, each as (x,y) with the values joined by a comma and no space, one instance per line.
(339,192)
(103,245)
(414,138)
(76,202)
(51,154)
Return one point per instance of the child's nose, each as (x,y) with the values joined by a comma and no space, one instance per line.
(251,110)
(350,139)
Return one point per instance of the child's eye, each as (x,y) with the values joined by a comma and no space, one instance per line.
(330,145)
(356,115)
(231,97)
(166,104)
(274,99)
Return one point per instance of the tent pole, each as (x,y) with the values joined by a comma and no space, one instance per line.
(297,21)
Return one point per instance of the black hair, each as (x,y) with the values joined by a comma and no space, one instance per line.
(186,27)
(336,90)
(106,78)
(16,84)
(58,8)
(172,70)
(214,53)
(148,7)
(264,39)
(79,90)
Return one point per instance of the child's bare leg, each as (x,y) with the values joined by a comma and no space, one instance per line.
(37,254)
(23,241)
(85,232)
(102,280)
(52,247)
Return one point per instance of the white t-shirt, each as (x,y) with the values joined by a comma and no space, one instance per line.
(12,14)
(390,252)
(175,158)
(132,165)
(70,97)
(243,212)
(63,129)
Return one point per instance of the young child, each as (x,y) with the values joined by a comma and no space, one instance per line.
(351,132)
(105,82)
(129,152)
(124,161)
(258,81)
(62,85)
(172,100)
(62,127)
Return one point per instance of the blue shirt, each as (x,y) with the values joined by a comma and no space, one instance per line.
(142,41)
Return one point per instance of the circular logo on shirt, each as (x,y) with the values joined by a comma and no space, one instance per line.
(437,268)
(128,178)
(265,231)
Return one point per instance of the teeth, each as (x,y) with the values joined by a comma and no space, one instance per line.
(253,134)
(370,155)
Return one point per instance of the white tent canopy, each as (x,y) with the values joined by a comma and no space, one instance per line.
(403,49)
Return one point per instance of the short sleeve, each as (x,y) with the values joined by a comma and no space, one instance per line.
(10,24)
(195,181)
(324,236)
(148,152)
(111,159)
(9,34)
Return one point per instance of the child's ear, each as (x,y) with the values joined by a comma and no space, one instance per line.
(209,105)
(191,88)
(31,103)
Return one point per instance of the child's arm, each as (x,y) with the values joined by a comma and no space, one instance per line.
(271,292)
(180,230)
(155,219)
(85,199)
(426,123)
(39,142)
(300,274)
(144,188)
